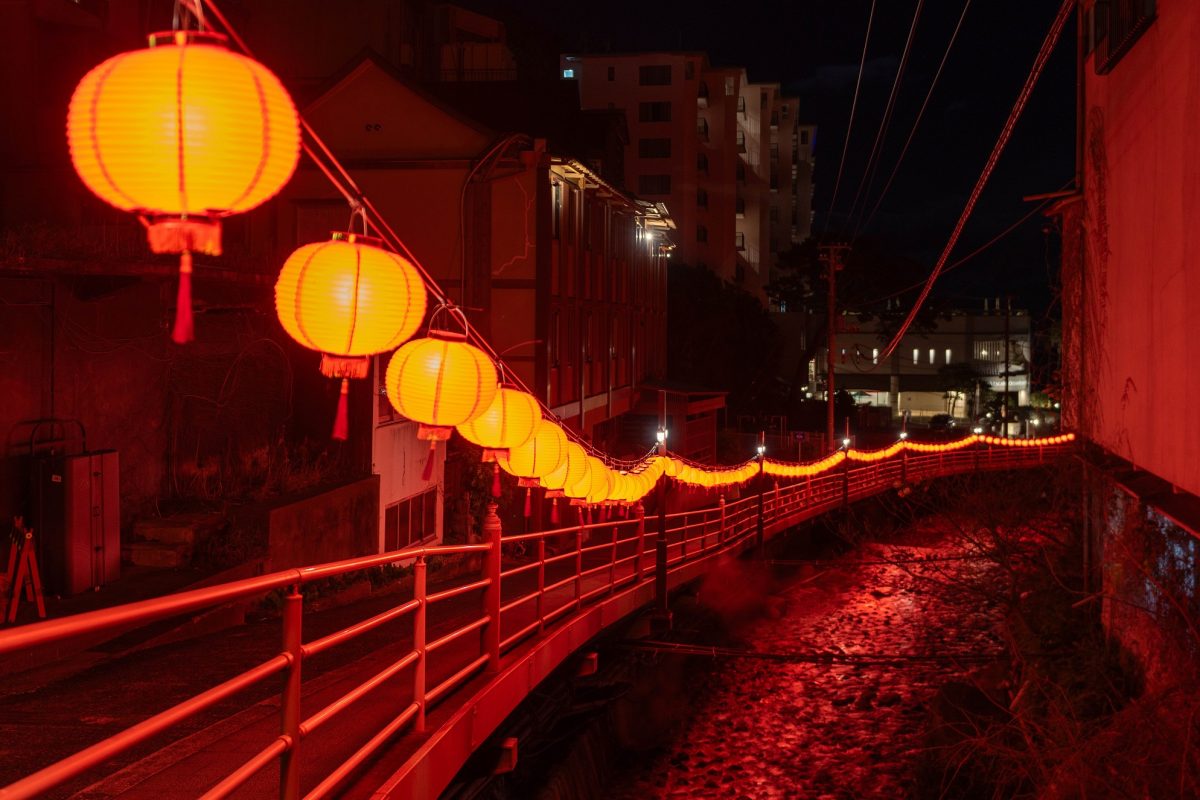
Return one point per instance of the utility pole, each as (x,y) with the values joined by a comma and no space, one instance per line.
(1004,408)
(832,256)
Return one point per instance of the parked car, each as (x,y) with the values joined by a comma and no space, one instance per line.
(942,423)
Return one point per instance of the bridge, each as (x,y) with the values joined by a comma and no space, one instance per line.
(403,721)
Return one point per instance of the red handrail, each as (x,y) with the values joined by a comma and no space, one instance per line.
(519,599)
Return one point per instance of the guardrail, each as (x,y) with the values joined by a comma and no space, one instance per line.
(527,583)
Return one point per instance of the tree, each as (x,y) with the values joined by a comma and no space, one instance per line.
(959,377)
(720,337)
(874,283)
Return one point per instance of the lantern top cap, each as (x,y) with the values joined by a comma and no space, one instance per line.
(447,335)
(183,38)
(357,238)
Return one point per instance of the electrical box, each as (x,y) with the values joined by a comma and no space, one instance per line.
(76,520)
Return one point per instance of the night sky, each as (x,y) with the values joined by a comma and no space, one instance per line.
(812,47)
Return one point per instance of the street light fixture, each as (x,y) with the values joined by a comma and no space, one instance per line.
(661,436)
(846,442)
(903,435)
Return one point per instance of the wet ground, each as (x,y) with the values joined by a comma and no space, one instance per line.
(790,724)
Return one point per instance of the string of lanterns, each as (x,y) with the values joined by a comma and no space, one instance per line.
(186,132)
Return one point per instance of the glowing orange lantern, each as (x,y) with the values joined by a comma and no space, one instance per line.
(544,453)
(183,133)
(348,299)
(570,472)
(440,381)
(601,483)
(578,489)
(508,422)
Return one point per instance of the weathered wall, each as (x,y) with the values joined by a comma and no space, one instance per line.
(336,524)
(1140,287)
(1147,570)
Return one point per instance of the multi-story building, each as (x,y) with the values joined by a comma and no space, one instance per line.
(724,155)
(943,370)
(1131,287)
(560,270)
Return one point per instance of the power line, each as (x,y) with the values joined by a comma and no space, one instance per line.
(853,107)
(916,123)
(1005,134)
(868,176)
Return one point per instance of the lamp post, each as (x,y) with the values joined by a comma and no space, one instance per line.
(762,452)
(662,613)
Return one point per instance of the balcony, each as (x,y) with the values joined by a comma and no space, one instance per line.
(702,96)
(1116,27)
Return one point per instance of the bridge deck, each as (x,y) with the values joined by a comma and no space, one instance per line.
(352,730)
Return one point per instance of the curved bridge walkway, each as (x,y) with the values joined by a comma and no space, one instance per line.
(445,664)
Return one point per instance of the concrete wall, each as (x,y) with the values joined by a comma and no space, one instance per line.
(1133,307)
(336,524)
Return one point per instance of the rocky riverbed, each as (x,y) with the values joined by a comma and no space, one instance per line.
(770,727)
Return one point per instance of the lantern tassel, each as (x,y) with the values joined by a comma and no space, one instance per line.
(528,503)
(184,330)
(495,479)
(554,512)
(341,421)
(427,473)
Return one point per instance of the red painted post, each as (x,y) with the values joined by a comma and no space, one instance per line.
(492,532)
(683,537)
(612,561)
(419,642)
(289,705)
(721,532)
(640,514)
(579,562)
(541,583)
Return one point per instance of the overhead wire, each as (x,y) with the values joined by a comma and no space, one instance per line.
(1006,132)
(324,159)
(917,122)
(868,176)
(853,108)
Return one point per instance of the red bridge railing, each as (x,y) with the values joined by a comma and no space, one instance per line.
(527,583)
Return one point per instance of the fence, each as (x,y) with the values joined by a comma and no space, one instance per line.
(526,584)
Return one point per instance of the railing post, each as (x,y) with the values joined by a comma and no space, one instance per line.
(419,642)
(289,706)
(721,531)
(640,514)
(660,552)
(612,560)
(845,482)
(579,560)
(541,583)
(683,537)
(492,532)
(762,516)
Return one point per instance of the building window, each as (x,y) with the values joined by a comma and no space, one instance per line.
(932,356)
(656,75)
(773,213)
(874,355)
(702,163)
(702,128)
(556,198)
(654,148)
(739,207)
(729,87)
(949,357)
(410,521)
(568,73)
(741,171)
(741,140)
(1116,27)
(739,240)
(612,73)
(654,112)
(804,136)
(741,105)
(701,233)
(654,184)
(784,110)
(702,198)
(916,356)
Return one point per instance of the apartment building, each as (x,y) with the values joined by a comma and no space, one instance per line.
(716,149)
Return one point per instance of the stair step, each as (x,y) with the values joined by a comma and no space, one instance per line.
(160,554)
(183,528)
